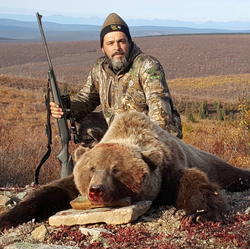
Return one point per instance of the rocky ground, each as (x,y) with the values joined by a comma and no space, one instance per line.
(158,228)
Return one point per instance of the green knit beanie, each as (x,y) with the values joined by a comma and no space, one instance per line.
(114,23)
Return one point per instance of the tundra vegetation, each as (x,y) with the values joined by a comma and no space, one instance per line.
(222,129)
(209,79)
(208,76)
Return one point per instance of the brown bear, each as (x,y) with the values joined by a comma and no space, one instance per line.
(138,159)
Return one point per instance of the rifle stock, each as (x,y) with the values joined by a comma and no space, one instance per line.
(65,132)
(63,156)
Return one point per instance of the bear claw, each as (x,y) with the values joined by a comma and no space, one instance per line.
(198,217)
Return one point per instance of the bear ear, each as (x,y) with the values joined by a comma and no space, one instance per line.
(152,158)
(79,152)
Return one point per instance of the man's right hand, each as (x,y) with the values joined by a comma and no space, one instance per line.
(56,111)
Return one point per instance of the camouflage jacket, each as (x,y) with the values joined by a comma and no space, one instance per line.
(141,86)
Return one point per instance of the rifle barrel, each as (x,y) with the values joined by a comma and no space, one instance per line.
(39,17)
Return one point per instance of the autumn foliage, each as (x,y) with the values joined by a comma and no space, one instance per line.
(201,77)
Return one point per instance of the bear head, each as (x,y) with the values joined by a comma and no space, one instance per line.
(112,171)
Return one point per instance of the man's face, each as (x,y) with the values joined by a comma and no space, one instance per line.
(116,47)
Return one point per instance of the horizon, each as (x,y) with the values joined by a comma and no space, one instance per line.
(28,17)
(196,11)
(98,21)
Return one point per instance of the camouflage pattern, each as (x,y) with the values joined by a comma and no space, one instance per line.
(141,86)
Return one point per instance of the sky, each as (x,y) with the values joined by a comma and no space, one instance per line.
(182,10)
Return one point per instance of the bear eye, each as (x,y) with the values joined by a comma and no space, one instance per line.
(92,169)
(115,170)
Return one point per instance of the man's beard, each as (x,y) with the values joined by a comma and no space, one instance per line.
(119,63)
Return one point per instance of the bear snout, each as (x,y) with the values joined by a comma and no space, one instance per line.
(96,192)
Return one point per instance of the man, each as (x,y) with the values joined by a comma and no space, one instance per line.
(122,80)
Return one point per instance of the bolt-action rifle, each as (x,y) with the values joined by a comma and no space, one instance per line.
(64,130)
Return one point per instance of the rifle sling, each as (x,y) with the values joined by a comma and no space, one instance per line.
(49,135)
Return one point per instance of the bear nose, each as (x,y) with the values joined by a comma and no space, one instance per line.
(96,191)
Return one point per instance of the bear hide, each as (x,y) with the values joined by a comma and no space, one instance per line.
(138,159)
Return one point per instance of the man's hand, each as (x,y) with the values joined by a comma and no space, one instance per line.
(56,111)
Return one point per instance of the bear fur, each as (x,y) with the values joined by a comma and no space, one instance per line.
(138,159)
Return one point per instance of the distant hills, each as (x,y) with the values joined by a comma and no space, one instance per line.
(21,28)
